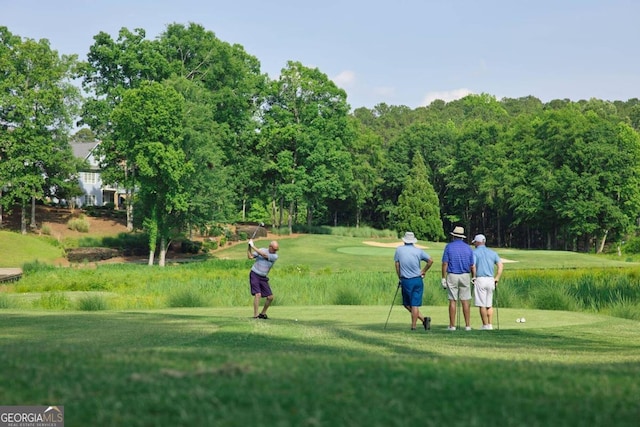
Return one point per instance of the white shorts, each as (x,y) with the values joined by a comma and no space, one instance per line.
(483,291)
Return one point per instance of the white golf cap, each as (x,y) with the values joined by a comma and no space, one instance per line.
(479,238)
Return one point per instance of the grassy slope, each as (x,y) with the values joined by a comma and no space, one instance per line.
(16,249)
(333,366)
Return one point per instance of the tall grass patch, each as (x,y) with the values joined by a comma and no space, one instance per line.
(52,301)
(347,296)
(5,301)
(553,296)
(625,308)
(186,297)
(580,289)
(92,303)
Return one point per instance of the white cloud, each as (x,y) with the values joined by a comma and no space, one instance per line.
(345,79)
(446,96)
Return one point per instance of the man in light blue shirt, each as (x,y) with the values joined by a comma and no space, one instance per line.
(408,260)
(259,276)
(485,283)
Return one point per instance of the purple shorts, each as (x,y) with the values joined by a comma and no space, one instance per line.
(259,285)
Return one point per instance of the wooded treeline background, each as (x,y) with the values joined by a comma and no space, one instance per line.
(191,123)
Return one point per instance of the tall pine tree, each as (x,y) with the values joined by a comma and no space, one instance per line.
(418,207)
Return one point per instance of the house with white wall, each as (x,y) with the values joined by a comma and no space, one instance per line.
(96,193)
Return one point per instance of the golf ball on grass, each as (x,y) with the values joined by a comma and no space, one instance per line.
(521,320)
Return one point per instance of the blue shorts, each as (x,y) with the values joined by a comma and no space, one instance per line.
(259,285)
(412,290)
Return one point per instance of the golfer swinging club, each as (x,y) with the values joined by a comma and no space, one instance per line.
(258,276)
(407,258)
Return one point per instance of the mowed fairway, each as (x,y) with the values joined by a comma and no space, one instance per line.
(321,366)
(324,358)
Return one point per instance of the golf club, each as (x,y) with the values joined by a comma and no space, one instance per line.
(458,310)
(496,307)
(392,303)
(256,230)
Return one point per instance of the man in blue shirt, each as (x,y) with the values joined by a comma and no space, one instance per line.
(408,259)
(485,283)
(457,269)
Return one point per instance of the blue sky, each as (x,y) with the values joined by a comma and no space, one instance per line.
(402,52)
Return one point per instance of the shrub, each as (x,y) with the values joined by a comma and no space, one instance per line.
(209,245)
(215,231)
(129,243)
(632,246)
(79,224)
(190,247)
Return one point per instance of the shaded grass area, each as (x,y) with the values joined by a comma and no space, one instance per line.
(333,366)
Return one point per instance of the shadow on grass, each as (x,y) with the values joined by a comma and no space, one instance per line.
(175,369)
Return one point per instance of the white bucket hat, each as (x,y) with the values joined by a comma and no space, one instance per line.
(409,237)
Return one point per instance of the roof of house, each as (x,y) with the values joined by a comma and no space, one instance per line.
(83,150)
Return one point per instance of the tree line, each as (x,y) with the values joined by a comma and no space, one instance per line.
(199,135)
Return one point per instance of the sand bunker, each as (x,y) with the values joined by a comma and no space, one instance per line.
(389,245)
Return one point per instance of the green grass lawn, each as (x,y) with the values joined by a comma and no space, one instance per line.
(324,358)
(321,366)
(16,249)
(338,253)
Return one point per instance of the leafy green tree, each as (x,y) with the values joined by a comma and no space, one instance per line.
(221,85)
(528,105)
(36,111)
(83,135)
(210,189)
(367,158)
(148,123)
(305,132)
(418,206)
(113,67)
(600,194)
